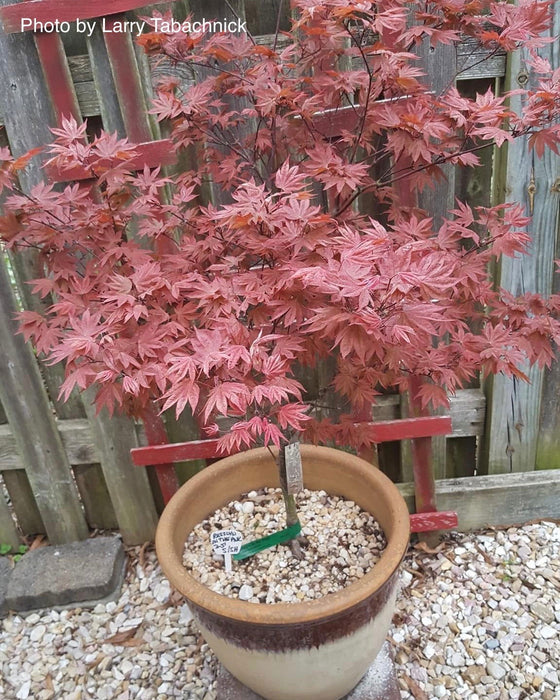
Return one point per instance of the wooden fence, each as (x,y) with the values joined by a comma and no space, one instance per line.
(66,470)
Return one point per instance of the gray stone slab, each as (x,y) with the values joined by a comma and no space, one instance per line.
(80,573)
(379,682)
(5,572)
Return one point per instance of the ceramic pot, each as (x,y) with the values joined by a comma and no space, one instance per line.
(316,650)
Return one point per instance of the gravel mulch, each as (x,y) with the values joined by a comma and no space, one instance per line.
(479,618)
(340,544)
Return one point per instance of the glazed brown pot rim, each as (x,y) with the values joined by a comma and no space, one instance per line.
(283,613)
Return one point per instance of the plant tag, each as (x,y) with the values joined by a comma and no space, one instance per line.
(226,542)
(294,473)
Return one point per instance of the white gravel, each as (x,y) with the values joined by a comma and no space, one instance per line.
(479,619)
(340,544)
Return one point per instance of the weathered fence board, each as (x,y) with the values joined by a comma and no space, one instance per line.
(62,11)
(8,532)
(22,85)
(466,412)
(96,498)
(548,441)
(23,501)
(514,407)
(548,446)
(24,97)
(34,429)
(474,62)
(127,76)
(439,67)
(130,491)
(57,76)
(506,499)
(262,15)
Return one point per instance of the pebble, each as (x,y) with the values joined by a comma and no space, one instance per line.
(248,507)
(542,612)
(473,674)
(495,670)
(23,692)
(457,660)
(74,659)
(37,633)
(245,592)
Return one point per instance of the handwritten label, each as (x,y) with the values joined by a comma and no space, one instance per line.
(294,473)
(226,541)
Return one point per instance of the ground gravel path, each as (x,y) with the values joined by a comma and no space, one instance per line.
(479,618)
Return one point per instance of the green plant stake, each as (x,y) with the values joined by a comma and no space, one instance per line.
(260,545)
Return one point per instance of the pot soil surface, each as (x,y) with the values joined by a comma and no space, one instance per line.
(340,544)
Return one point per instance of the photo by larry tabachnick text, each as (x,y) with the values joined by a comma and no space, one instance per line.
(158,24)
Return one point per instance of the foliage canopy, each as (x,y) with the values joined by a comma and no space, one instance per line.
(213,287)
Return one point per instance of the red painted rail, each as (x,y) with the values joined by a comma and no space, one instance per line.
(409,428)
(384,431)
(157,435)
(332,122)
(177,452)
(127,79)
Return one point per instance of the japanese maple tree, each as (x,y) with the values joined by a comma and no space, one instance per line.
(217,289)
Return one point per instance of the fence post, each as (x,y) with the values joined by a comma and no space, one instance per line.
(514,432)
(548,447)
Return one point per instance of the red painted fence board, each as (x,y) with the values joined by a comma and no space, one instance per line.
(385,431)
(127,79)
(423,474)
(57,76)
(157,435)
(332,122)
(436,520)
(409,428)
(152,154)
(63,11)
(177,452)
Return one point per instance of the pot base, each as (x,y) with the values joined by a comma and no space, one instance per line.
(378,683)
